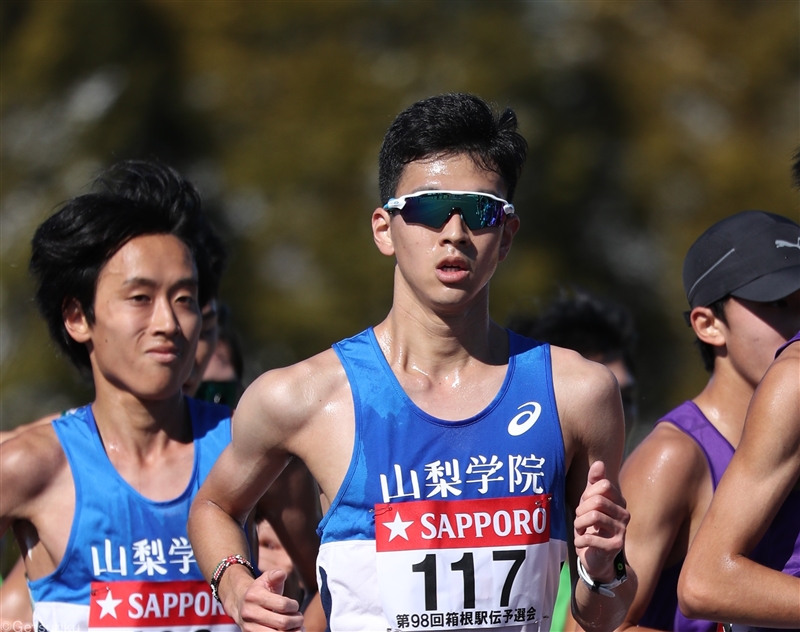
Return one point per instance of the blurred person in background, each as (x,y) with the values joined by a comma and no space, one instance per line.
(98,498)
(602,332)
(143,243)
(224,370)
(15,599)
(290,502)
(599,330)
(743,288)
(743,566)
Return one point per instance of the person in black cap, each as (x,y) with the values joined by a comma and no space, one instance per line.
(742,281)
(744,566)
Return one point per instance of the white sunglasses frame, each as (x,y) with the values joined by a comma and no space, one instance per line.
(400,202)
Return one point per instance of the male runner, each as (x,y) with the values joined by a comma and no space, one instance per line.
(449,449)
(742,282)
(99,498)
(731,571)
(744,565)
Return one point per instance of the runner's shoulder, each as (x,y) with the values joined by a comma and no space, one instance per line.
(787,361)
(303,388)
(589,407)
(31,460)
(577,380)
(667,456)
(43,421)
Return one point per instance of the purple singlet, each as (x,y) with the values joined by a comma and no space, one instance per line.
(663,612)
(788,342)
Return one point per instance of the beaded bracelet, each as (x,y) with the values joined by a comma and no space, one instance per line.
(222,567)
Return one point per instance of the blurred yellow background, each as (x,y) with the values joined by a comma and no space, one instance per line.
(647,122)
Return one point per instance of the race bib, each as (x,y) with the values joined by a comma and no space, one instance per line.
(464,563)
(174,606)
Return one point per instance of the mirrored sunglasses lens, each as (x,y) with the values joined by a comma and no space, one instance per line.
(430,211)
(434,210)
(486,213)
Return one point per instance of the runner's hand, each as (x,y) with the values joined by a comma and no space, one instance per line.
(600,524)
(264,608)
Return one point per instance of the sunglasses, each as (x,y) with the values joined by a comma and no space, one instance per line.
(434,208)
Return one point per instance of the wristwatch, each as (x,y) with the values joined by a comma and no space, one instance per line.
(620,576)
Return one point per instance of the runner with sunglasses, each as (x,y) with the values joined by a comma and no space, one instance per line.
(461,463)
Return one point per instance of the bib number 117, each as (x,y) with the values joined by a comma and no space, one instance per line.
(466,566)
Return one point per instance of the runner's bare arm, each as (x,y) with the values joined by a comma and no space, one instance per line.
(15,602)
(658,481)
(29,462)
(270,415)
(718,581)
(590,410)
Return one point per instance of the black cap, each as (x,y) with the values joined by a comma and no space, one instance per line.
(752,255)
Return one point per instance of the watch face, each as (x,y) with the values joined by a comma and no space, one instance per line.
(620,565)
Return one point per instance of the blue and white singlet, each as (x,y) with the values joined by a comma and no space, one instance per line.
(128,563)
(447,525)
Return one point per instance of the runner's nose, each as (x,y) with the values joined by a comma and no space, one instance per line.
(455,228)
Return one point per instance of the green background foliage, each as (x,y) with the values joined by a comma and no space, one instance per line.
(647,122)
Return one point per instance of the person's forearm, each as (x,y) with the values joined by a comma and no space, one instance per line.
(741,591)
(215,536)
(598,613)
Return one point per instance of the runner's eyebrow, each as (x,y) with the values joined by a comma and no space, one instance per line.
(188,282)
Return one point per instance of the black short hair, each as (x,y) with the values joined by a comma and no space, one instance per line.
(796,168)
(130,199)
(452,124)
(580,321)
(708,352)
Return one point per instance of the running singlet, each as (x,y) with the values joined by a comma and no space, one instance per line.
(446,525)
(128,563)
(663,612)
(779,549)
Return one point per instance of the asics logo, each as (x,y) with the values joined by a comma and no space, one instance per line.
(524,421)
(780,243)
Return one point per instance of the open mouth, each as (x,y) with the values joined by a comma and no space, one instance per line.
(452,271)
(452,265)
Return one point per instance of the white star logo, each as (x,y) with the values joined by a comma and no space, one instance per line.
(398,527)
(108,605)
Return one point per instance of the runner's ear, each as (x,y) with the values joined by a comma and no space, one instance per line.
(382,231)
(75,321)
(510,228)
(707,326)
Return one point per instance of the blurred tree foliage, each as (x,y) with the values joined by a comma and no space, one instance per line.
(647,122)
